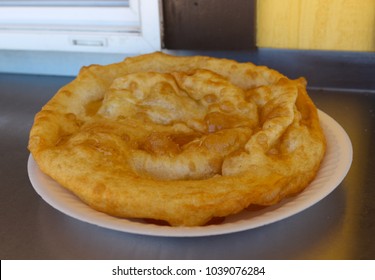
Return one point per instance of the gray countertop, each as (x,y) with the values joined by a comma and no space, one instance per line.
(341,226)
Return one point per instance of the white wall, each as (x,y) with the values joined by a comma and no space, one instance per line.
(52,63)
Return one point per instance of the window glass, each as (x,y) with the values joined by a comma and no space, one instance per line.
(78,3)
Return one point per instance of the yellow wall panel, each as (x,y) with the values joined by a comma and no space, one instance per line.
(316,24)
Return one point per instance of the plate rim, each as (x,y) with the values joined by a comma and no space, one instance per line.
(110,222)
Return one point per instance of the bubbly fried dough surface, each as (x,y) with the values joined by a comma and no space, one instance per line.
(179,139)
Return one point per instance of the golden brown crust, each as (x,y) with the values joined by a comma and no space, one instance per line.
(180,139)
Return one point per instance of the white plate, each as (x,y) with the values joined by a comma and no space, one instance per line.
(334,168)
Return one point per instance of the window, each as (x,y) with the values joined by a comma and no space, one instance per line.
(121,26)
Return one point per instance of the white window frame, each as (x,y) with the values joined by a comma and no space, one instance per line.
(134,29)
